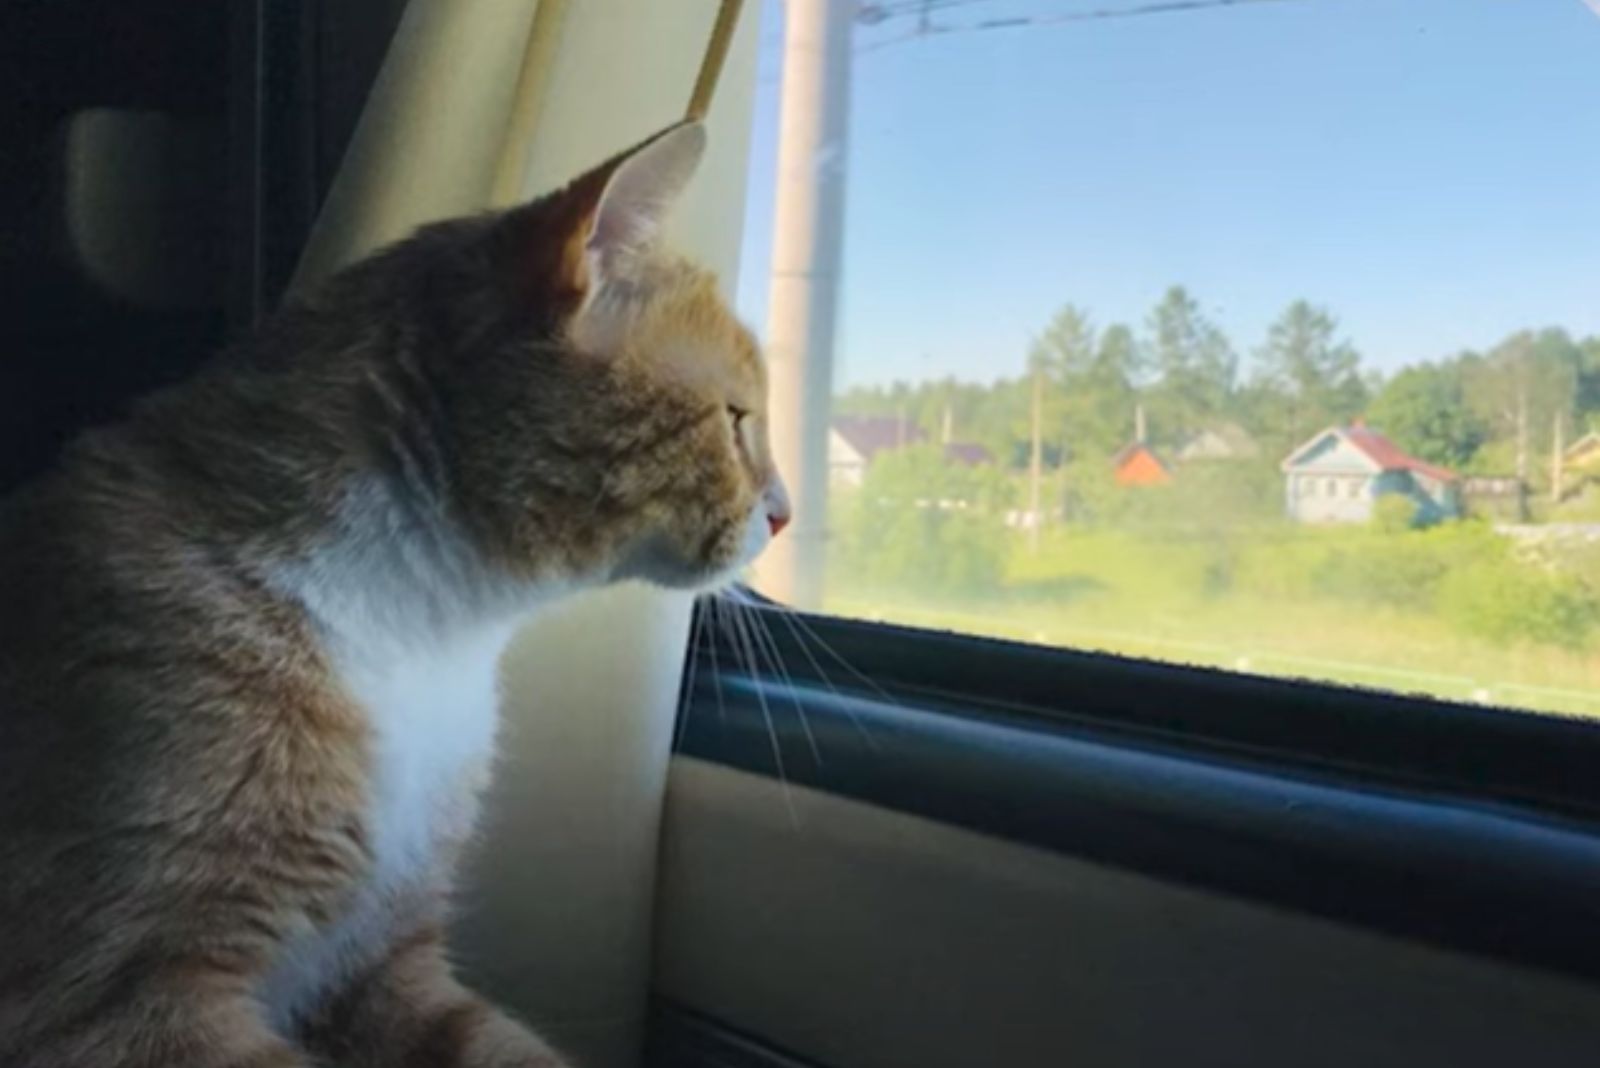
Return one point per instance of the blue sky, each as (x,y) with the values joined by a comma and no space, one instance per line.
(1427,169)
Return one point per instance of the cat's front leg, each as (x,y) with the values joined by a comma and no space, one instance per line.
(411,1011)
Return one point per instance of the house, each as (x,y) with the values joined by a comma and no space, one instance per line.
(1136,464)
(1224,441)
(1339,475)
(967,454)
(1582,457)
(1579,468)
(854,441)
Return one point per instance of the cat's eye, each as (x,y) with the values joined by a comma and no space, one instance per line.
(739,420)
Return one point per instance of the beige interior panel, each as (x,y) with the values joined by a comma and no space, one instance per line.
(866,938)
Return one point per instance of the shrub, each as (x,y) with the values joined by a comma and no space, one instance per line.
(1510,602)
(920,524)
(1393,513)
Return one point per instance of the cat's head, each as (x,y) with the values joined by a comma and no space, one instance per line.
(606,412)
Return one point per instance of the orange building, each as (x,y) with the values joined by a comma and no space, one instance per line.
(1138,465)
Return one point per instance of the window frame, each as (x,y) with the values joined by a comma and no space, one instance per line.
(1473,828)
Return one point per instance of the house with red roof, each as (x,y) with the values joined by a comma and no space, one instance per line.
(1339,474)
(1136,464)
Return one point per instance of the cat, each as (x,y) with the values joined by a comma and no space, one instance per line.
(248,636)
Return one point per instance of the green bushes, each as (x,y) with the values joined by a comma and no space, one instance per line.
(1201,497)
(924,529)
(922,525)
(1462,572)
(1507,602)
(1394,513)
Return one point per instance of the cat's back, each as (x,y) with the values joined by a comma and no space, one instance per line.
(129,634)
(58,615)
(88,609)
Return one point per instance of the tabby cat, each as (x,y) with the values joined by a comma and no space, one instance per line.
(248,637)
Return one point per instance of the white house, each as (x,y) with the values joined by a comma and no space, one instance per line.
(1339,475)
(855,440)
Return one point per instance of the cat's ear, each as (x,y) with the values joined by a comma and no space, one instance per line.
(563,246)
(641,188)
(619,206)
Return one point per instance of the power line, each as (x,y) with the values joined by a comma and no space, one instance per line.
(1164,7)
(872,14)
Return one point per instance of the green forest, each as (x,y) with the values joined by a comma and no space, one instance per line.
(1467,411)
(1207,569)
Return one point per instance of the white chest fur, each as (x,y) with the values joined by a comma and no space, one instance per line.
(433,724)
(432,718)
(415,625)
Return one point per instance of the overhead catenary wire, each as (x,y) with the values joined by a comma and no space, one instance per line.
(1161,7)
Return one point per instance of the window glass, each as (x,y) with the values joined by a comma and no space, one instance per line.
(1260,334)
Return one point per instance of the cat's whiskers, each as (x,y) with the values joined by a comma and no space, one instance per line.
(789,616)
(745,651)
(687,705)
(795,621)
(798,622)
(765,642)
(710,604)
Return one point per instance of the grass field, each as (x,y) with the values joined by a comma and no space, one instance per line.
(1118,594)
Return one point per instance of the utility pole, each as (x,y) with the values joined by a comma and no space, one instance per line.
(808,221)
(1557,447)
(1036,457)
(1522,439)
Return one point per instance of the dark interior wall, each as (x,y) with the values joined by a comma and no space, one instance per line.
(70,351)
(250,103)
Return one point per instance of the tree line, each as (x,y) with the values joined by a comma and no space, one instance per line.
(1492,411)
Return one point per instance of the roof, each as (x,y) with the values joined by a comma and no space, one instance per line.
(1133,449)
(969,453)
(1583,447)
(1391,457)
(1235,441)
(872,434)
(1136,464)
(1383,453)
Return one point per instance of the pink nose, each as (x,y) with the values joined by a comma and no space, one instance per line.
(777,521)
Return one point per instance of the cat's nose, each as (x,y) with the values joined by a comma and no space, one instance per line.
(777,501)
